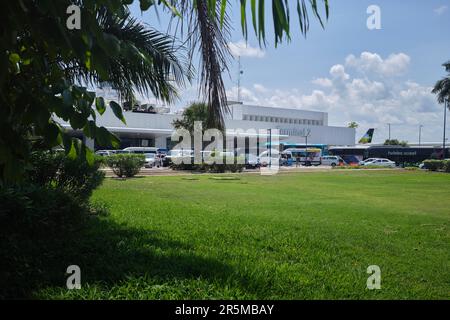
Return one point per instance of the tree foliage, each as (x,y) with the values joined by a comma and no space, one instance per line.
(353,125)
(46,69)
(395,142)
(442,87)
(197,111)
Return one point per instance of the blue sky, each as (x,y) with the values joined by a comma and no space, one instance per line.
(373,77)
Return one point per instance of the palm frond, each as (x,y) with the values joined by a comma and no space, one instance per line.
(146,60)
(442,87)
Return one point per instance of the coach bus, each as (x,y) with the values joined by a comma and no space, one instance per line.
(400,155)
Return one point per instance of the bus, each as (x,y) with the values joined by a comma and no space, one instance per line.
(289,145)
(303,156)
(400,155)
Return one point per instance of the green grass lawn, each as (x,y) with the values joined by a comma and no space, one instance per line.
(297,236)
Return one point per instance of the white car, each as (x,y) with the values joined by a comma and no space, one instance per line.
(252,161)
(331,160)
(271,157)
(150,160)
(386,163)
(361,163)
(105,153)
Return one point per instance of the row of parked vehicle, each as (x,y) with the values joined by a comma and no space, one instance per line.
(160,157)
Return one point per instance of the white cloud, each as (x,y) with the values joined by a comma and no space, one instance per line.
(243,49)
(374,99)
(441,10)
(394,65)
(323,82)
(338,72)
(260,88)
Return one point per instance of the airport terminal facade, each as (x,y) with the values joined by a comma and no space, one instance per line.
(295,126)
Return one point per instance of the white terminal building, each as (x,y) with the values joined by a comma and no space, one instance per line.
(151,126)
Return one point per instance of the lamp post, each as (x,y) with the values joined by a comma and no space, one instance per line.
(445,126)
(420,135)
(270,147)
(389,125)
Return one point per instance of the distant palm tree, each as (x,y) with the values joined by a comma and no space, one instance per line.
(442,87)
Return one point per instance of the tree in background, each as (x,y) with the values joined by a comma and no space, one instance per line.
(395,142)
(353,125)
(197,111)
(442,87)
(46,69)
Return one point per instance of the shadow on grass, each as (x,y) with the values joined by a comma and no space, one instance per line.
(110,254)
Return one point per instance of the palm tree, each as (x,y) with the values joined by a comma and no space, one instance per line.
(45,67)
(207,24)
(442,87)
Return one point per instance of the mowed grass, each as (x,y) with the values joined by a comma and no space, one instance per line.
(296,236)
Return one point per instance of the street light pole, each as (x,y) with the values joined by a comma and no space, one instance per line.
(270,148)
(389,125)
(420,135)
(445,126)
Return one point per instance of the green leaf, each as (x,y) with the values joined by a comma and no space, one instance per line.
(100,105)
(145,4)
(244,19)
(223,8)
(14,58)
(117,109)
(77,120)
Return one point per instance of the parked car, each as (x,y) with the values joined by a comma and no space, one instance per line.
(251,161)
(105,153)
(141,150)
(332,160)
(361,163)
(179,156)
(381,163)
(122,152)
(272,157)
(150,160)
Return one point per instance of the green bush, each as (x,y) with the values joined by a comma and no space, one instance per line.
(434,165)
(446,167)
(127,165)
(74,176)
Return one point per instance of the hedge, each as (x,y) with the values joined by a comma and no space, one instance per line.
(127,165)
(437,165)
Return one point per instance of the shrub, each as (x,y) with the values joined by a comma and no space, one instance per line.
(434,165)
(446,167)
(74,176)
(127,165)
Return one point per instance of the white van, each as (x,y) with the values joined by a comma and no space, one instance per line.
(141,150)
(332,161)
